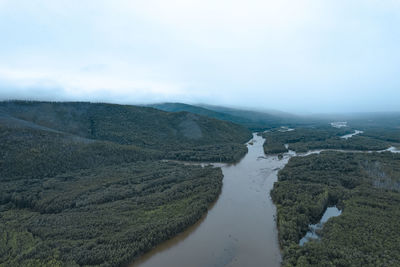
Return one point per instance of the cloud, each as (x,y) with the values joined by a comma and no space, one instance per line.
(290,55)
(82,85)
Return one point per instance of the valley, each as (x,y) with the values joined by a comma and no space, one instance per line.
(199,133)
(93,184)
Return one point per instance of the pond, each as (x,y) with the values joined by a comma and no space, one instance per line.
(314,228)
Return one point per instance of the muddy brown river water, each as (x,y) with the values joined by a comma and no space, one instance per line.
(239,228)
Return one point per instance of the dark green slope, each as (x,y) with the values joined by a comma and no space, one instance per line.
(253,120)
(177,107)
(86,184)
(261,119)
(140,126)
(126,124)
(31,153)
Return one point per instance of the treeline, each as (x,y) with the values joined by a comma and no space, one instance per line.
(366,186)
(128,125)
(388,135)
(305,139)
(104,216)
(230,152)
(32,153)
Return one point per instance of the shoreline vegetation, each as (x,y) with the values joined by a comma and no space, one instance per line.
(305,139)
(95,184)
(365,186)
(87,184)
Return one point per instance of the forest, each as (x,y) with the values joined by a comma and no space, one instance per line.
(143,127)
(102,216)
(85,184)
(303,139)
(365,186)
(254,120)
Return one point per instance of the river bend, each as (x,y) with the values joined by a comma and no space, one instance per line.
(240,228)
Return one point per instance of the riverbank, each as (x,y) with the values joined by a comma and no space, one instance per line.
(365,186)
(240,229)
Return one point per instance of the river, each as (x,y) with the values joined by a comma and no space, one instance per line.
(347,136)
(240,228)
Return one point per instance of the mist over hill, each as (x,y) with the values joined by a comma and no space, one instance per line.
(252,119)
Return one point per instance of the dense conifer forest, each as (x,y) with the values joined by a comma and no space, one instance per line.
(304,139)
(85,184)
(365,186)
(147,128)
(254,120)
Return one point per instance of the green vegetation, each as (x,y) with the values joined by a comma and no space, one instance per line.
(148,128)
(254,120)
(178,107)
(366,186)
(33,153)
(378,120)
(101,216)
(305,139)
(388,135)
(87,184)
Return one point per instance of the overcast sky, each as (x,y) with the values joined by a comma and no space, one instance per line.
(289,55)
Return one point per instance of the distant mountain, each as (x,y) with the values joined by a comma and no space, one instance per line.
(178,107)
(254,120)
(259,118)
(249,112)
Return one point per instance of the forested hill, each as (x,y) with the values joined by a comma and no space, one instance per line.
(85,184)
(178,107)
(254,120)
(143,127)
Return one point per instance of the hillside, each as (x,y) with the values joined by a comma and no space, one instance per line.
(262,120)
(253,120)
(168,133)
(86,184)
(177,107)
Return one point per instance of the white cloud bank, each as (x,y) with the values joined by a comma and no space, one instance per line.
(304,55)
